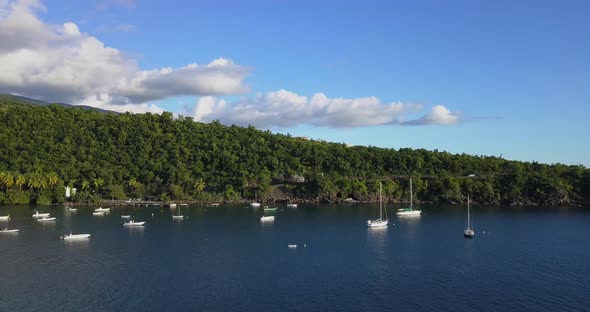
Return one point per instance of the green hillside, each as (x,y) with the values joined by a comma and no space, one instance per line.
(109,155)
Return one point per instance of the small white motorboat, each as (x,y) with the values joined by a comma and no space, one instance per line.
(100,209)
(133,223)
(75,236)
(255,205)
(125,216)
(5,218)
(172,205)
(291,205)
(46,219)
(267,218)
(71,209)
(99,213)
(40,215)
(214,204)
(292,245)
(6,230)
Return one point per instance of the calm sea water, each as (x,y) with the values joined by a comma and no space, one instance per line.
(224,259)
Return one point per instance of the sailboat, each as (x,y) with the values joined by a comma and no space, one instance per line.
(410,211)
(178,216)
(255,204)
(5,218)
(469,232)
(379,222)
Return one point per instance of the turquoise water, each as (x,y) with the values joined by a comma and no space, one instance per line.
(224,259)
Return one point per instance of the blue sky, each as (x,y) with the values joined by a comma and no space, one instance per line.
(513,76)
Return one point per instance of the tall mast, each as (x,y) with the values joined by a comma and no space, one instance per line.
(468,225)
(411,195)
(380,203)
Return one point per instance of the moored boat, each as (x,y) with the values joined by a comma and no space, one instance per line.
(134,223)
(6,230)
(46,219)
(38,214)
(75,236)
(409,211)
(267,218)
(381,222)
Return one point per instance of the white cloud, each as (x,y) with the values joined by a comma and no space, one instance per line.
(287,109)
(439,115)
(59,63)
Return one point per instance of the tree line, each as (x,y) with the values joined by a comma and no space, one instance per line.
(156,156)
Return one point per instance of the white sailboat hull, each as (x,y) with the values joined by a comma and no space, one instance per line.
(41,215)
(377,223)
(9,231)
(256,205)
(98,213)
(4,218)
(132,223)
(409,213)
(267,218)
(76,236)
(469,233)
(177,217)
(102,210)
(291,205)
(46,219)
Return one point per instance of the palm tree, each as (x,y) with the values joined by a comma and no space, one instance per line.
(98,183)
(20,181)
(199,185)
(6,179)
(37,181)
(52,179)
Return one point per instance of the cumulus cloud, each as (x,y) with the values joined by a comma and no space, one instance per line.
(283,109)
(59,63)
(439,115)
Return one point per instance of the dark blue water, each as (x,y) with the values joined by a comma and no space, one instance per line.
(224,259)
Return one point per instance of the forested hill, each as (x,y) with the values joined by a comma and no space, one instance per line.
(43,148)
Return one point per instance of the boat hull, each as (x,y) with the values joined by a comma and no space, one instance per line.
(41,215)
(4,218)
(46,219)
(409,213)
(134,223)
(254,204)
(291,205)
(267,219)
(468,234)
(10,231)
(76,236)
(377,223)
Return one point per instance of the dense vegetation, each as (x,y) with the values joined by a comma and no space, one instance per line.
(107,155)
